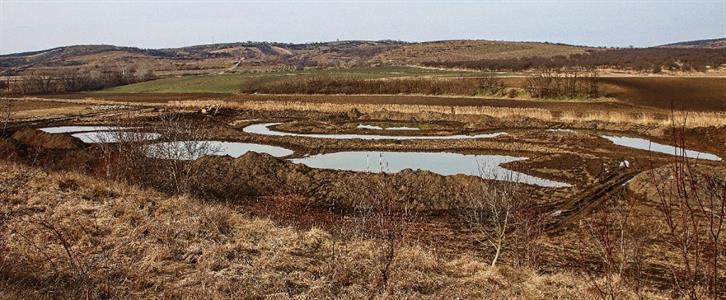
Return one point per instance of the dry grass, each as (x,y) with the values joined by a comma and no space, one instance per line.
(69,236)
(658,119)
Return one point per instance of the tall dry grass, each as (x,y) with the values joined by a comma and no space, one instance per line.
(656,118)
(69,236)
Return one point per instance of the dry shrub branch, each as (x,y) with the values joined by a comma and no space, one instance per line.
(692,205)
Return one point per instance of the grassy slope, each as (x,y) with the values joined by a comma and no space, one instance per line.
(122,241)
(230,83)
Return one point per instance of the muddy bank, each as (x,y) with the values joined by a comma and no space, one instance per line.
(256,174)
(39,139)
(251,175)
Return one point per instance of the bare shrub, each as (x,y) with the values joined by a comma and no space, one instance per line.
(6,114)
(499,217)
(563,83)
(386,217)
(130,155)
(183,141)
(692,204)
(613,247)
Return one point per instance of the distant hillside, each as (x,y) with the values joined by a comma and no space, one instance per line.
(199,59)
(267,56)
(705,44)
(264,56)
(466,50)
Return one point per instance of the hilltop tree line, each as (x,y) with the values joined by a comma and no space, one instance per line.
(640,59)
(77,80)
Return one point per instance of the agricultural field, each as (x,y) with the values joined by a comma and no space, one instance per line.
(386,181)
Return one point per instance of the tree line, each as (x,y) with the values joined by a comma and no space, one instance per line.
(544,83)
(653,60)
(65,81)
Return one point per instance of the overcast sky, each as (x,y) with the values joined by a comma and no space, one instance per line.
(35,25)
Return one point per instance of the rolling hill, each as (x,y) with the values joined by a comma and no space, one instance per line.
(264,56)
(719,43)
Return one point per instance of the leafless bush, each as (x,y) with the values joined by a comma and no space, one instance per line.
(183,141)
(386,217)
(692,204)
(562,83)
(131,156)
(616,240)
(6,114)
(501,219)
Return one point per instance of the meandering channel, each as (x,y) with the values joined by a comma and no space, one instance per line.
(264,129)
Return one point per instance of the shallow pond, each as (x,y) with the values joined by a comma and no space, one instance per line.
(190,150)
(644,144)
(70,129)
(374,127)
(264,129)
(94,137)
(443,163)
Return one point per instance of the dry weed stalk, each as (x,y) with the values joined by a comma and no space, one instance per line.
(6,114)
(693,207)
(617,240)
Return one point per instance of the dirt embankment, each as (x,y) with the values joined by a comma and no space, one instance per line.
(254,174)
(39,139)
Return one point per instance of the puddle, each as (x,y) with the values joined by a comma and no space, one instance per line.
(70,129)
(263,129)
(402,128)
(190,150)
(559,130)
(443,163)
(644,144)
(374,127)
(95,137)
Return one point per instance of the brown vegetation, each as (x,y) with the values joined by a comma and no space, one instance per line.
(553,83)
(68,236)
(352,85)
(66,81)
(653,60)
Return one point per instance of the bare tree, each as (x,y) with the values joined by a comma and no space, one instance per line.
(500,218)
(39,83)
(183,140)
